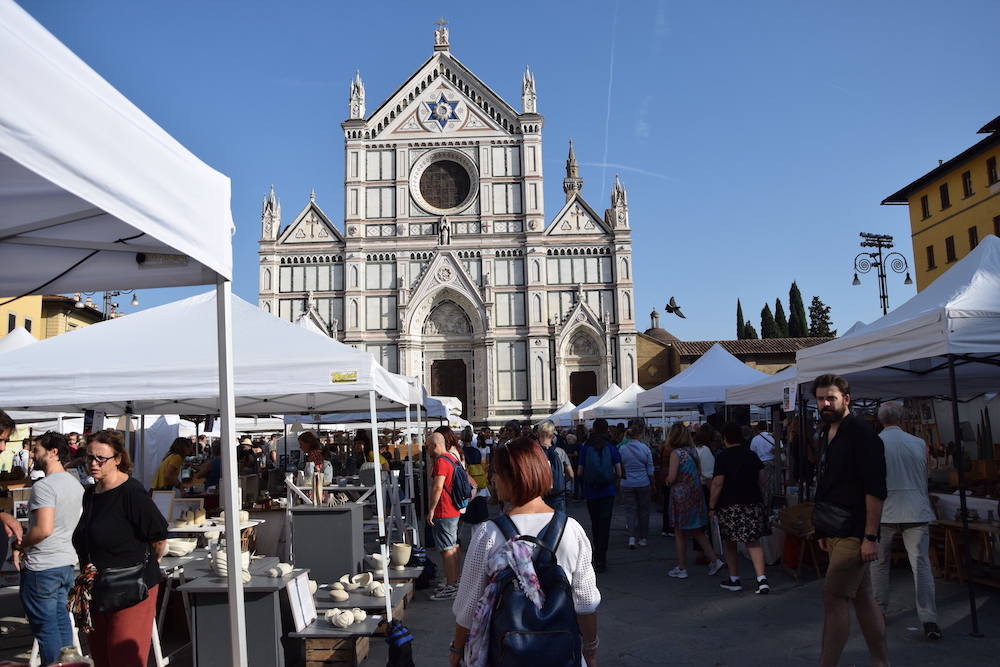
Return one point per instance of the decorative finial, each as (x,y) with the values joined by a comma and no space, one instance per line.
(572,184)
(357,96)
(441,35)
(528,96)
(312,195)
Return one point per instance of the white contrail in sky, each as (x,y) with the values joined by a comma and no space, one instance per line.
(611,76)
(622,167)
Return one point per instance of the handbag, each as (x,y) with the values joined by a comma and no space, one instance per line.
(118,588)
(832,519)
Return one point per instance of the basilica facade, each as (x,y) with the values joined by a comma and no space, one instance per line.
(446,267)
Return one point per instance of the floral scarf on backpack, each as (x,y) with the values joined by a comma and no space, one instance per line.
(516,555)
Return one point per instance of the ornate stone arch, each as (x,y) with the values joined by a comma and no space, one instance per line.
(583,342)
(417,317)
(447,319)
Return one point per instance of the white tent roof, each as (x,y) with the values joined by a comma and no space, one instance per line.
(704,381)
(83,170)
(308,324)
(620,406)
(903,353)
(564,415)
(767,391)
(611,392)
(17,338)
(163,360)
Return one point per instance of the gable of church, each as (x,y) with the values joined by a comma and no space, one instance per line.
(577,218)
(442,97)
(581,328)
(310,226)
(445,274)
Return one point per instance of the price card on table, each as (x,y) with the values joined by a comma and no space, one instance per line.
(302,603)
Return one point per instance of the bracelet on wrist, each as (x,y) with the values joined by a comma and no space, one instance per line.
(592,646)
(459,651)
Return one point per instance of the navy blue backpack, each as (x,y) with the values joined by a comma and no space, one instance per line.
(522,635)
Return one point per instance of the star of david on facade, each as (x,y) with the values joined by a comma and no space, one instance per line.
(441,111)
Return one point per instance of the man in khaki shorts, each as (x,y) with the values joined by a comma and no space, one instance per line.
(851,480)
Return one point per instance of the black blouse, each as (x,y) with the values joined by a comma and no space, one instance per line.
(116,526)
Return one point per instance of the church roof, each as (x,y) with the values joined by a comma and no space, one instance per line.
(662,335)
(749,346)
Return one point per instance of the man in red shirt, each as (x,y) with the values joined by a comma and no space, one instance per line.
(441,513)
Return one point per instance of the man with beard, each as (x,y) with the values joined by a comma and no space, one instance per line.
(851,480)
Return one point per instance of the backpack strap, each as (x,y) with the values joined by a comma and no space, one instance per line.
(506,526)
(548,540)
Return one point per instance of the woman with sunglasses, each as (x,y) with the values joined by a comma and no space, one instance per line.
(120,528)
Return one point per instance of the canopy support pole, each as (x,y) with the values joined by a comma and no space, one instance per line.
(960,464)
(230,475)
(380,507)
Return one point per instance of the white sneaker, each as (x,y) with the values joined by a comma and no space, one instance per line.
(446,593)
(631,543)
(642,542)
(715,567)
(678,573)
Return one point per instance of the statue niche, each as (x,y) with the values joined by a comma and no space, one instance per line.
(447,319)
(583,345)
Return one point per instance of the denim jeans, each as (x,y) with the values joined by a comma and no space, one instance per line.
(600,510)
(43,595)
(916,537)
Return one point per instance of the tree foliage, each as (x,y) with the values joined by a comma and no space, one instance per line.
(819,319)
(768,327)
(740,321)
(797,326)
(749,332)
(779,319)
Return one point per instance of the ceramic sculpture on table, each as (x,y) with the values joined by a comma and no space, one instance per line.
(279,570)
(347,583)
(338,595)
(339,618)
(400,555)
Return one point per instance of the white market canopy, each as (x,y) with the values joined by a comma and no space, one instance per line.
(17,338)
(905,352)
(83,170)
(767,391)
(704,381)
(564,415)
(610,392)
(621,406)
(164,361)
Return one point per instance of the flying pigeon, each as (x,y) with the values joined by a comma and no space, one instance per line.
(672,307)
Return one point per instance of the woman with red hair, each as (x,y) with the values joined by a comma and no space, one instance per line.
(522,476)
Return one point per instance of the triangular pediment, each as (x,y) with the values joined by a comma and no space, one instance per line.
(581,316)
(442,97)
(445,275)
(577,218)
(310,226)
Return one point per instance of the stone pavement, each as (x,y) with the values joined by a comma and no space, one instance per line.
(647,618)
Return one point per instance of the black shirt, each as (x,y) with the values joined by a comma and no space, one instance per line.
(740,468)
(851,466)
(117,525)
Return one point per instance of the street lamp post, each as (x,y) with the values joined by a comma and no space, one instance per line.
(866,261)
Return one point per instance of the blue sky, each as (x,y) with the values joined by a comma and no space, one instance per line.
(755,139)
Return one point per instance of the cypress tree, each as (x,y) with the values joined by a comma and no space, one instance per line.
(740,322)
(819,319)
(768,329)
(797,325)
(779,319)
(749,332)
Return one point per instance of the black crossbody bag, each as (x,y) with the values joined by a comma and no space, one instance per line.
(831,518)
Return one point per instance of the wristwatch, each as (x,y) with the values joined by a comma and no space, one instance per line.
(873,538)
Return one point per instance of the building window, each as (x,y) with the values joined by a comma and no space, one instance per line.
(381,202)
(512,371)
(11,322)
(506,161)
(27,324)
(508,271)
(510,309)
(573,270)
(945,199)
(386,355)
(949,249)
(380,165)
(931,264)
(506,198)
(991,170)
(310,278)
(967,184)
(380,313)
(973,237)
(925,207)
(380,275)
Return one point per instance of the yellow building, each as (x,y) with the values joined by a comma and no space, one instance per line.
(47,316)
(953,206)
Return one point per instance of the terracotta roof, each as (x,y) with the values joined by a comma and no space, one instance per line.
(748,346)
(661,335)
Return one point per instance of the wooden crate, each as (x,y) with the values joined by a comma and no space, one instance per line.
(984,469)
(323,652)
(397,614)
(797,518)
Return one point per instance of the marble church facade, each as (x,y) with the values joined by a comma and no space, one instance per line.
(446,267)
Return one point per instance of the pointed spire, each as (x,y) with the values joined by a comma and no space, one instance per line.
(617,215)
(357,96)
(528,96)
(618,194)
(312,195)
(572,184)
(270,216)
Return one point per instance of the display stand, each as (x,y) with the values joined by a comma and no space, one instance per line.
(328,646)
(328,540)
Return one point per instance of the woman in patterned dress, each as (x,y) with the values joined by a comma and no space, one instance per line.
(688,510)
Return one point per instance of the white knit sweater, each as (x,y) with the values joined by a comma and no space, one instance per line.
(573,554)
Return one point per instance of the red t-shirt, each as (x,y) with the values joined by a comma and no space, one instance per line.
(445,509)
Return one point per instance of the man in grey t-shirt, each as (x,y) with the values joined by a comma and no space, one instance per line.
(47,564)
